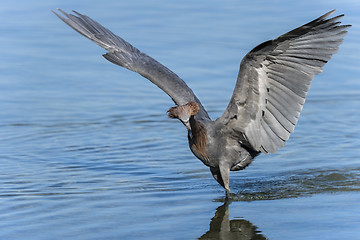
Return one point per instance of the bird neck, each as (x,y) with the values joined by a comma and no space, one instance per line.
(198,135)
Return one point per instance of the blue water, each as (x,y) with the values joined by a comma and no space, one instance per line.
(87,151)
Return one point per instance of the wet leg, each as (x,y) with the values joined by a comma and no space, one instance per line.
(225,172)
(217,176)
(222,177)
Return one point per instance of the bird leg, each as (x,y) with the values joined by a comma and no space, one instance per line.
(217,176)
(225,172)
(221,175)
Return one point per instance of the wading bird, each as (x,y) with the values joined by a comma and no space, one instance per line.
(270,91)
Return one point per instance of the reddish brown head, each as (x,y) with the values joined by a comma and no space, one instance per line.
(184,112)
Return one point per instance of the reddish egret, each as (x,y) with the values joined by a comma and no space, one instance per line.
(270,91)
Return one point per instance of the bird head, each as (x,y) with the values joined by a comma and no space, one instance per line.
(184,112)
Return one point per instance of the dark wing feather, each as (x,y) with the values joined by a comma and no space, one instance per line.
(124,54)
(274,79)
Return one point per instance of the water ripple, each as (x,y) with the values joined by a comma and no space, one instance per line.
(298,184)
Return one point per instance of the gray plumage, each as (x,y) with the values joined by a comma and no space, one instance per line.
(270,91)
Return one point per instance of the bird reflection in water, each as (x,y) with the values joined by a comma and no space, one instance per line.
(223,228)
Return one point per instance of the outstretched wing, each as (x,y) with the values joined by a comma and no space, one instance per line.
(274,79)
(124,54)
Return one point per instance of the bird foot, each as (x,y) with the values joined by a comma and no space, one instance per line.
(228,194)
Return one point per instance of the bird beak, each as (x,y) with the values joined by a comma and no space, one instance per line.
(187,124)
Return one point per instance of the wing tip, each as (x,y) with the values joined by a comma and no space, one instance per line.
(60,16)
(56,13)
(65,13)
(328,14)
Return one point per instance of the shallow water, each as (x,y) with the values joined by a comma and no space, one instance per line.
(87,151)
